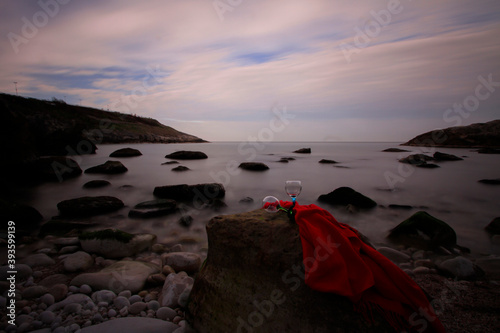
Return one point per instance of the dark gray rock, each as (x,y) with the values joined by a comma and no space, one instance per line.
(494,226)
(25,217)
(180,168)
(187,155)
(153,208)
(416,159)
(89,206)
(347,196)
(253,166)
(60,227)
(125,152)
(323,161)
(96,183)
(438,156)
(201,193)
(426,165)
(303,151)
(490,181)
(56,168)
(110,167)
(395,150)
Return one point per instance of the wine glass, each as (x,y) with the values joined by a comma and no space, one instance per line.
(271,204)
(293,188)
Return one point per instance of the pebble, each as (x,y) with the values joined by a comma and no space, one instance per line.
(124,311)
(137,307)
(54,279)
(78,261)
(104,296)
(153,305)
(167,270)
(34,292)
(125,293)
(73,289)
(421,270)
(69,249)
(97,318)
(158,248)
(47,317)
(23,272)
(112,313)
(134,299)
(176,248)
(39,259)
(47,299)
(85,289)
(182,261)
(166,313)
(121,302)
(395,256)
(59,291)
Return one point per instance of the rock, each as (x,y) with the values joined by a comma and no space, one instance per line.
(69,249)
(137,307)
(120,302)
(23,272)
(112,313)
(404,207)
(490,181)
(47,299)
(116,243)
(438,156)
(421,270)
(180,168)
(60,227)
(323,161)
(246,200)
(106,296)
(427,165)
(199,193)
(73,308)
(424,231)
(488,151)
(54,279)
(187,155)
(125,152)
(253,166)
(78,261)
(132,325)
(47,317)
(89,206)
(255,262)
(347,196)
(39,259)
(173,288)
(34,292)
(96,183)
(186,220)
(283,160)
(167,270)
(59,291)
(122,275)
(416,159)
(182,261)
(26,218)
(395,150)
(153,305)
(303,151)
(460,268)
(395,256)
(85,289)
(156,279)
(109,168)
(153,208)
(183,299)
(494,226)
(166,313)
(81,299)
(135,298)
(170,162)
(56,168)
(177,248)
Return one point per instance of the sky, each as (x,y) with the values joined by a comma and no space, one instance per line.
(267,70)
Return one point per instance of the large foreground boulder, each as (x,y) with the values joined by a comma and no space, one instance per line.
(253,281)
(200,192)
(89,206)
(424,231)
(344,196)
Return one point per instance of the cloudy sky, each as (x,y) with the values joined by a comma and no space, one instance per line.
(223,70)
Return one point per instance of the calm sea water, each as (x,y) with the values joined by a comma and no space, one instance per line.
(451,193)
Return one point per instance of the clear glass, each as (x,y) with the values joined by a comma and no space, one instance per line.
(293,188)
(271,204)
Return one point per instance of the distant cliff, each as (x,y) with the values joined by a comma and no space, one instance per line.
(479,135)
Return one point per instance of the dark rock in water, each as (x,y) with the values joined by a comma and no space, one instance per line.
(200,192)
(170,162)
(405,207)
(303,151)
(347,196)
(254,275)
(187,155)
(424,231)
(216,204)
(57,227)
(25,217)
(246,200)
(395,150)
(56,168)
(153,208)
(490,181)
(110,167)
(253,166)
(283,160)
(416,159)
(88,206)
(180,168)
(186,220)
(488,151)
(427,165)
(125,152)
(438,156)
(323,161)
(96,183)
(494,226)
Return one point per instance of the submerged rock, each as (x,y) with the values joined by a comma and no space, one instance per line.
(347,196)
(153,208)
(427,165)
(253,166)
(303,151)
(253,281)
(187,155)
(184,192)
(181,168)
(416,159)
(125,152)
(438,156)
(323,161)
(110,167)
(490,181)
(88,206)
(395,150)
(424,231)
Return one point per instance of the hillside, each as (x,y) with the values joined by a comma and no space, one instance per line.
(480,135)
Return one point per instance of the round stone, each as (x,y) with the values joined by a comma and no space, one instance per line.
(121,302)
(85,289)
(137,307)
(153,305)
(47,317)
(166,313)
(135,298)
(47,299)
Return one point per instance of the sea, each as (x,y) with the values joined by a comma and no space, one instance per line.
(451,193)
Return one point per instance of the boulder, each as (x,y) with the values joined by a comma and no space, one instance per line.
(110,167)
(303,151)
(494,226)
(116,243)
(347,196)
(174,286)
(253,166)
(252,281)
(120,276)
(56,168)
(78,261)
(25,217)
(424,231)
(153,208)
(181,168)
(416,159)
(490,181)
(89,206)
(182,261)
(125,152)
(395,150)
(323,161)
(460,268)
(187,155)
(438,156)
(184,192)
(98,183)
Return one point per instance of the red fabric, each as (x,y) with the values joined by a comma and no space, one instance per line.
(336,260)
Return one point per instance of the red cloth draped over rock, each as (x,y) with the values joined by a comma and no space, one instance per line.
(336,260)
